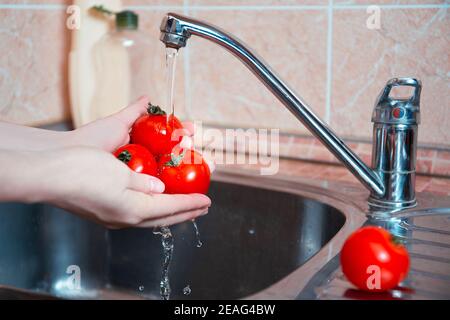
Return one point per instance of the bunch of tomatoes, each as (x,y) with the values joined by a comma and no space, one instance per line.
(154,150)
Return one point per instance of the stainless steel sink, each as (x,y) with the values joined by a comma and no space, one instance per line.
(264,238)
(252,238)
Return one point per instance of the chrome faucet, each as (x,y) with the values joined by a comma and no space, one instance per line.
(391,179)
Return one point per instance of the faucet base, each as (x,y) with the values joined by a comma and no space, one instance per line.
(377,205)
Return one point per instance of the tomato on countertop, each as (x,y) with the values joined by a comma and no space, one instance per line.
(137,158)
(373,261)
(155,129)
(184,172)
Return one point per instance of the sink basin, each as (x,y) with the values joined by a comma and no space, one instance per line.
(252,238)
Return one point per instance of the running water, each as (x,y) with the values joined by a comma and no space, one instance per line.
(167,244)
(197,234)
(166,235)
(171,65)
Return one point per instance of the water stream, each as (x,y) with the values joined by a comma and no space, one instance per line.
(166,234)
(167,245)
(171,65)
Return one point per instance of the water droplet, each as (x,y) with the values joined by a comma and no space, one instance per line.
(187,290)
(141,288)
(197,234)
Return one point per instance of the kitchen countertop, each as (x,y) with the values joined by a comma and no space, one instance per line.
(332,172)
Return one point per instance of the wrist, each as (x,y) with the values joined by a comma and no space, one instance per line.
(19,181)
(30,176)
(46,174)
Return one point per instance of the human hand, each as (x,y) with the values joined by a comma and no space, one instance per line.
(95,185)
(111,132)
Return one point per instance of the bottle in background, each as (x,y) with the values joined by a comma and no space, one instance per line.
(124,62)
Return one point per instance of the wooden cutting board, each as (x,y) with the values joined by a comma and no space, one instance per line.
(81,65)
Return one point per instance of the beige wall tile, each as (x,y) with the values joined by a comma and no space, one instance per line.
(257,2)
(409,43)
(152,2)
(124,2)
(33,66)
(35,2)
(224,92)
(372,2)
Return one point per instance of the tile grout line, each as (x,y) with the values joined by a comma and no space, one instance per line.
(329,62)
(391,6)
(237,7)
(33,6)
(293,7)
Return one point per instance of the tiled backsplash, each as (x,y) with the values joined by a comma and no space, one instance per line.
(33,64)
(322,48)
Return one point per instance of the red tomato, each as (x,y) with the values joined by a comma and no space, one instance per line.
(373,261)
(154,131)
(137,158)
(184,172)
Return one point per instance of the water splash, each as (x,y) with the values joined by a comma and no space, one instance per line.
(187,290)
(167,245)
(197,234)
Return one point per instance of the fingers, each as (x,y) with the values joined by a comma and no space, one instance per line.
(190,127)
(186,142)
(129,114)
(145,183)
(168,204)
(156,206)
(174,219)
(210,162)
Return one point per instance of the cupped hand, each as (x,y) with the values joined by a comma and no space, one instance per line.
(95,185)
(111,132)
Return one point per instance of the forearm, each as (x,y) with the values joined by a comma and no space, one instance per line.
(22,138)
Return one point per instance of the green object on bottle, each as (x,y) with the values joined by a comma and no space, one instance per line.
(124,19)
(127,20)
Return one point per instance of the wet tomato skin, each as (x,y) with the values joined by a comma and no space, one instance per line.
(137,158)
(154,131)
(185,172)
(374,246)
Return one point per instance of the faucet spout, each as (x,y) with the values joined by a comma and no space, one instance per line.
(175,32)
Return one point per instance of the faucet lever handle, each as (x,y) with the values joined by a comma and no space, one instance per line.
(397,82)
